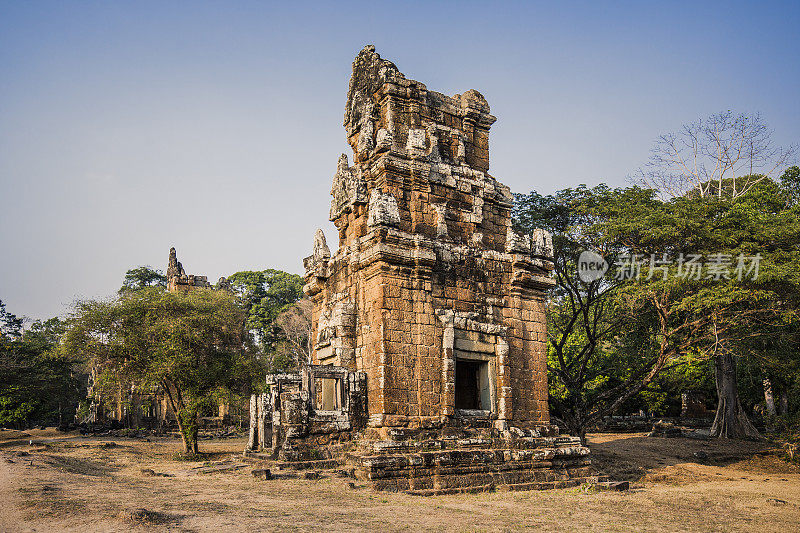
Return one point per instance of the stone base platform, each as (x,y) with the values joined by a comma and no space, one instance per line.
(455,456)
(452,465)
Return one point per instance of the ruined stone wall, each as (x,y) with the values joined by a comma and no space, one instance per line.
(428,271)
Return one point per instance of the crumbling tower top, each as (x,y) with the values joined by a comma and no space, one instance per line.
(405,116)
(420,162)
(178,280)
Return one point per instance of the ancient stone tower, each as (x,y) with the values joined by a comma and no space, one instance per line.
(430,293)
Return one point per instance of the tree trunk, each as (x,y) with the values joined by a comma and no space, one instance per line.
(784,410)
(576,424)
(769,399)
(731,421)
(186,418)
(582,435)
(187,424)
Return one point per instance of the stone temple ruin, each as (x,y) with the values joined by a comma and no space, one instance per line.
(177,278)
(429,335)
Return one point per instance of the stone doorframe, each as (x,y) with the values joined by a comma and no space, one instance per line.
(500,385)
(310,375)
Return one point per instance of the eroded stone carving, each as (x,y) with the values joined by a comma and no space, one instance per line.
(383,209)
(174,267)
(365,143)
(384,139)
(321,250)
(516,243)
(416,143)
(370,72)
(542,244)
(178,280)
(441,219)
(348,188)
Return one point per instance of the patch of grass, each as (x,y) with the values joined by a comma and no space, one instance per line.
(85,467)
(200,456)
(146,516)
(46,501)
(194,457)
(585,488)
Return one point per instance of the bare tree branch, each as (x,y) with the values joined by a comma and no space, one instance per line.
(726,153)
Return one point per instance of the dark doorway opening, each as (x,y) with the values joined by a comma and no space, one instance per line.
(469,375)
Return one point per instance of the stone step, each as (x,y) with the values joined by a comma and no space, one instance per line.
(453,490)
(214,469)
(548,485)
(254,457)
(511,487)
(391,447)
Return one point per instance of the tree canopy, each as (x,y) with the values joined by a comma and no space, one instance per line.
(142,277)
(40,384)
(266,295)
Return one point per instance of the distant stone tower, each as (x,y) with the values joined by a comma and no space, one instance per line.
(178,280)
(430,293)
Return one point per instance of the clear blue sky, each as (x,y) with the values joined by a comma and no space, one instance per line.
(130,127)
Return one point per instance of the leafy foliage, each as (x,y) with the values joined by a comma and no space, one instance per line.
(266,295)
(142,277)
(40,383)
(604,346)
(626,344)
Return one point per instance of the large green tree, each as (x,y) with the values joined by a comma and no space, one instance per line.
(189,344)
(266,296)
(733,308)
(612,337)
(606,344)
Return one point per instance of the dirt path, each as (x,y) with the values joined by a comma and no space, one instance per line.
(11,516)
(84,484)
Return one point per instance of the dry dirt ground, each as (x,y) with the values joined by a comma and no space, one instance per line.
(72,483)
